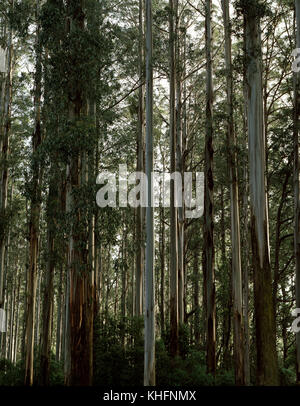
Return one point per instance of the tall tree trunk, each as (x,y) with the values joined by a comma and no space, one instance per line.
(8,308)
(66,333)
(179,164)
(149,367)
(184,139)
(34,218)
(23,355)
(92,286)
(38,307)
(208,252)
(278,240)
(4,151)
(124,281)
(296,184)
(267,368)
(174,316)
(81,298)
(6,273)
(245,239)
(59,317)
(17,319)
(162,271)
(140,212)
(196,298)
(235,220)
(48,284)
(246,281)
(12,318)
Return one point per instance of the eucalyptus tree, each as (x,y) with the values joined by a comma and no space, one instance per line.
(296,183)
(35,211)
(79,272)
(5,127)
(179,155)
(234,199)
(267,368)
(140,251)
(174,314)
(149,367)
(208,237)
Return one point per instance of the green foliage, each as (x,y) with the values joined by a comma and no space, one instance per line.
(253,8)
(190,371)
(287,376)
(13,374)
(118,364)
(56,370)
(20,16)
(183,340)
(114,362)
(225,378)
(10,374)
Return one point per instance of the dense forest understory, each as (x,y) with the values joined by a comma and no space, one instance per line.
(97,286)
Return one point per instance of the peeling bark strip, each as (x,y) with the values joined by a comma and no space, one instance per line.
(208,252)
(149,367)
(296,183)
(235,220)
(267,369)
